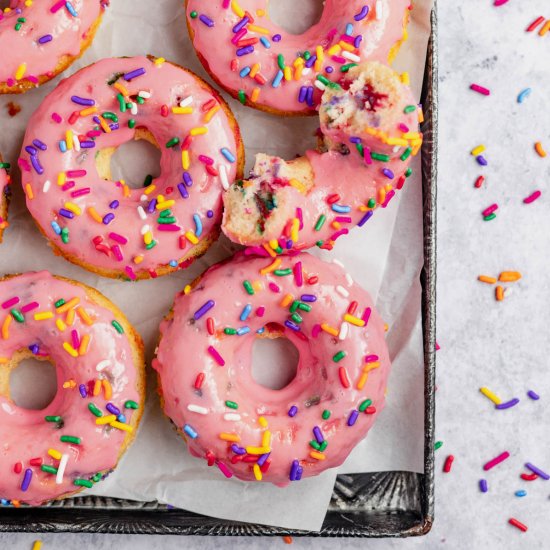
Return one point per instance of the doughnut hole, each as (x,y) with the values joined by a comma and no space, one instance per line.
(274,361)
(132,161)
(295,17)
(32,382)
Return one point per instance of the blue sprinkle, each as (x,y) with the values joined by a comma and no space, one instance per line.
(278,78)
(173,263)
(228,154)
(70,9)
(243,330)
(63,146)
(245,312)
(341,209)
(265,42)
(198,225)
(190,431)
(56,228)
(524,94)
(245,71)
(349,29)
(521,493)
(121,418)
(260,330)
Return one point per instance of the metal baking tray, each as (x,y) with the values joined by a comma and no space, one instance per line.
(381,504)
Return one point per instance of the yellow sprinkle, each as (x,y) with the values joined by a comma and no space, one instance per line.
(258,29)
(190,236)
(43,315)
(297,184)
(159,61)
(539,149)
(234,438)
(148,237)
(490,395)
(266,439)
(94,214)
(260,12)
(198,131)
(477,150)
(97,388)
(20,72)
(105,419)
(138,259)
(274,244)
(84,343)
(185,159)
(69,318)
(37,545)
(165,205)
(254,70)
(69,349)
(317,455)
(237,9)
(209,114)
(69,385)
(69,139)
(121,426)
(420,115)
(255,95)
(406,79)
(397,141)
(262,422)
(149,189)
(257,472)
(107,389)
(56,455)
(68,305)
(333,50)
(271,267)
(74,208)
(287,73)
(182,110)
(60,324)
(294,230)
(61,178)
(88,111)
(354,320)
(329,329)
(83,314)
(28,191)
(287,300)
(257,450)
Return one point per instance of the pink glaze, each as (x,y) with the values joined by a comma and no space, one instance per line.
(44,18)
(321,382)
(217,45)
(24,434)
(121,243)
(4,191)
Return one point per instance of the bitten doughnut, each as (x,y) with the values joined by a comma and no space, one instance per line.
(4,196)
(266,67)
(106,226)
(370,127)
(79,437)
(41,38)
(248,430)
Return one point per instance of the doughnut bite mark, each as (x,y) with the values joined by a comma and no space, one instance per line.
(204,362)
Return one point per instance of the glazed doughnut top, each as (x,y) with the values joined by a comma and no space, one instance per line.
(105,225)
(35,35)
(252,431)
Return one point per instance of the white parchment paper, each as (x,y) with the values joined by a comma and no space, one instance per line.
(385,258)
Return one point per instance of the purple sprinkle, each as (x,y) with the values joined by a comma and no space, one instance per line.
(34,348)
(210,214)
(183,191)
(302,95)
(187,179)
(293,411)
(206,20)
(508,404)
(114,126)
(82,390)
(87,144)
(114,204)
(82,101)
(66,213)
(204,309)
(26,479)
(31,150)
(244,51)
(318,434)
(276,38)
(237,450)
(362,14)
(262,459)
(481,160)
(308,298)
(311,61)
(483,485)
(152,205)
(294,470)
(108,218)
(357,41)
(44,39)
(244,21)
(355,139)
(134,74)
(309,97)
(112,409)
(537,471)
(388,173)
(365,218)
(36,164)
(533,395)
(352,418)
(299,474)
(40,144)
(329,69)
(292,326)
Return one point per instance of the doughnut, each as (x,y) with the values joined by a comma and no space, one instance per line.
(106,226)
(266,67)
(4,196)
(43,38)
(251,431)
(79,437)
(370,128)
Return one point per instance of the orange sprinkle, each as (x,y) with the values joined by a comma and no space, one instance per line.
(269,250)
(84,343)
(255,95)
(88,111)
(317,455)
(287,300)
(545,28)
(329,329)
(499,293)
(107,388)
(539,149)
(28,191)
(94,214)
(272,267)
(487,279)
(6,327)
(68,305)
(234,438)
(69,318)
(509,276)
(97,388)
(208,116)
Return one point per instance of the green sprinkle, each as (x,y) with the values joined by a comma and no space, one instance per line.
(406,153)
(339,356)
(59,303)
(315,445)
(17,26)
(131,123)
(121,103)
(307,55)
(346,68)
(304,307)
(364,404)
(151,245)
(193,14)
(148,180)
(166,221)
(360,148)
(231,405)
(140,100)
(283,272)
(438,445)
(230,331)
(320,222)
(326,414)
(52,419)
(70,439)
(408,172)
(297,318)
(48,469)
(83,483)
(17,315)
(281,61)
(118,326)
(409,109)
(380,157)
(165,213)
(323,445)
(328,82)
(65,235)
(110,116)
(294,306)
(248,288)
(319,243)
(5,165)
(490,217)
(172,142)
(131,405)
(371,203)
(97,477)
(242,97)
(94,410)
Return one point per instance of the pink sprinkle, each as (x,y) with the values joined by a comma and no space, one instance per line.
(57,118)
(130,273)
(496,461)
(339,59)
(437,347)
(118,238)
(117,252)
(298,275)
(30,306)
(217,357)
(238,35)
(81,192)
(480,89)
(315,331)
(490,209)
(168,227)
(206,160)
(76,173)
(343,219)
(389,197)
(532,197)
(10,302)
(75,338)
(24,165)
(371,358)
(10,82)
(366,155)
(68,185)
(260,311)
(366,315)
(403,127)
(300,217)
(226,4)
(224,469)
(499,3)
(32,78)
(57,6)
(274,288)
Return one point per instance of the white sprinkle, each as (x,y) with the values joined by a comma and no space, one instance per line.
(102,365)
(507,291)
(197,409)
(338,262)
(76,142)
(378,9)
(144,94)
(223,176)
(351,56)
(61,469)
(306,71)
(342,291)
(349,279)
(320,85)
(145,229)
(143,198)
(46,186)
(141,213)
(134,108)
(186,101)
(232,416)
(344,328)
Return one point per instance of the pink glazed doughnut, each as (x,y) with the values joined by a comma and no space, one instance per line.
(79,437)
(264,66)
(40,38)
(248,430)
(104,225)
